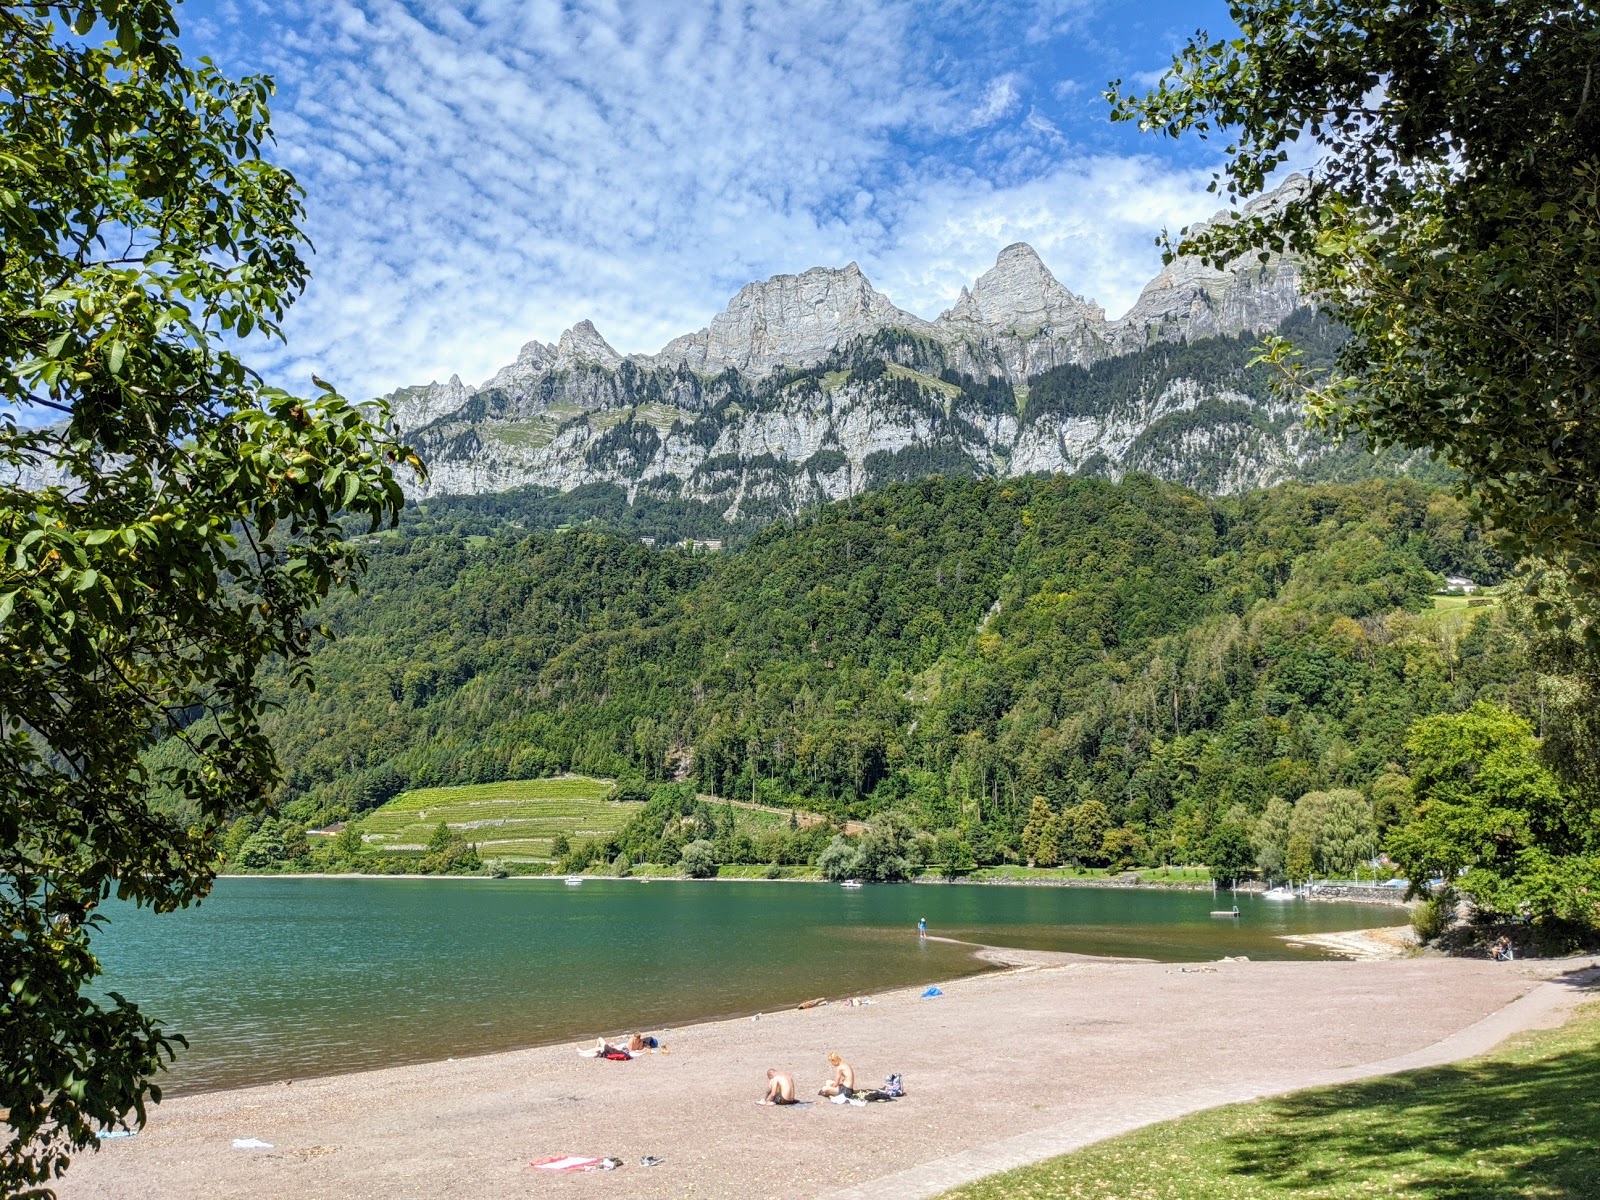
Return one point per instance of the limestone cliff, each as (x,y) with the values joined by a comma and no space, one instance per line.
(813,386)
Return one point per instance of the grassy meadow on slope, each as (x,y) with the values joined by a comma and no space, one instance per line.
(512,819)
(1521,1121)
(944,650)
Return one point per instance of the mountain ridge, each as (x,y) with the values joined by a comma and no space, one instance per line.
(803,379)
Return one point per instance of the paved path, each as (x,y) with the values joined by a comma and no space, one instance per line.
(984,1068)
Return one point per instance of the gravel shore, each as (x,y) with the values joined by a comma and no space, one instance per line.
(1055,1043)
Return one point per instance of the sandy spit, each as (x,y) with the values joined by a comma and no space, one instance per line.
(1052,1044)
(1397,941)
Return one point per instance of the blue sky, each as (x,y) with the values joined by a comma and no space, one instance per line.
(482,172)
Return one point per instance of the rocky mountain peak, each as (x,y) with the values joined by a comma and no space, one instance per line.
(583,344)
(1190,299)
(1020,293)
(788,319)
(532,360)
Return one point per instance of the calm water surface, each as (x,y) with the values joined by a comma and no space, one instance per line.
(287,978)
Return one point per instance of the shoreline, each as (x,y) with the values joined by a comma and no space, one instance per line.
(1385,897)
(1137,1040)
(989,961)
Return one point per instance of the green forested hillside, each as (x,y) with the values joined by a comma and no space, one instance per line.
(946,649)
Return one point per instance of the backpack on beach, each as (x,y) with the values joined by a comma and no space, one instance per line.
(893,1086)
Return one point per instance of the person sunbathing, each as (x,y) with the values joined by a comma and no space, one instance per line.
(780,1088)
(843,1082)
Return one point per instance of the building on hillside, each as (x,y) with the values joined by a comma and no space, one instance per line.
(1460,585)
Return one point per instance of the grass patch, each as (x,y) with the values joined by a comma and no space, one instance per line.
(1071,874)
(512,820)
(523,435)
(764,871)
(948,390)
(661,416)
(1520,1121)
(1457,610)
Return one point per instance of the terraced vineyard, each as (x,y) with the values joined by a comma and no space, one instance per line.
(513,820)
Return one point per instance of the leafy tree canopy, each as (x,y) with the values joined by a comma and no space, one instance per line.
(161,542)
(1452,223)
(1493,819)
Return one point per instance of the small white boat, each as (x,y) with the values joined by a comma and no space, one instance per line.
(851,883)
(574,880)
(1279,893)
(1226,912)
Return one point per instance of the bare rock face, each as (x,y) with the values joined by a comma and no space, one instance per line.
(583,344)
(681,423)
(1190,300)
(790,320)
(533,360)
(414,407)
(1019,294)
(1018,320)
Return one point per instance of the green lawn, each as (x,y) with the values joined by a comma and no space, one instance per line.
(515,820)
(1069,874)
(1522,1121)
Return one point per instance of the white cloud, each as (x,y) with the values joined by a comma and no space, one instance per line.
(482,172)
(1000,99)
(1093,221)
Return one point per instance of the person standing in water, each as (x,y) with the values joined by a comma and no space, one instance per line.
(922,927)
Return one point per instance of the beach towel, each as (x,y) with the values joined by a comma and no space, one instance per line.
(251,1144)
(575,1162)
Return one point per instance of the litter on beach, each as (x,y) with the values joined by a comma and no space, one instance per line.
(251,1144)
(105,1135)
(931,993)
(575,1162)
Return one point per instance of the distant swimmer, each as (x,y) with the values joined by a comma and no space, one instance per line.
(843,1082)
(780,1088)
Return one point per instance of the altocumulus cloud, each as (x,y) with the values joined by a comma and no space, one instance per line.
(479,172)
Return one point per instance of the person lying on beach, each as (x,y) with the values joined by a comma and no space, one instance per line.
(780,1088)
(843,1082)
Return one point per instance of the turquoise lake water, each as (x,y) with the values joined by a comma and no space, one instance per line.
(288,978)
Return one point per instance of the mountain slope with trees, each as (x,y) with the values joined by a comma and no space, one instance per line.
(945,651)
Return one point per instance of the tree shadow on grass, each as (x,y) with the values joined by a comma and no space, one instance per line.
(1521,1124)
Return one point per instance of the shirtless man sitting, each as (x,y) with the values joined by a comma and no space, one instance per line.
(780,1088)
(843,1082)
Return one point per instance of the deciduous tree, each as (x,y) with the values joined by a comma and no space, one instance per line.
(1495,821)
(1451,222)
(168,536)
